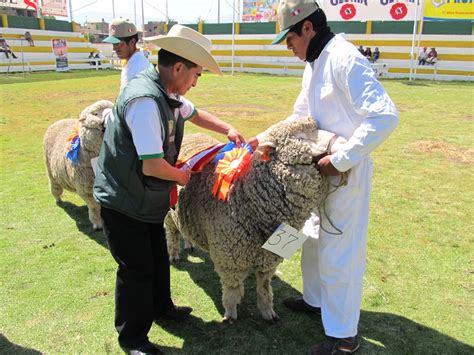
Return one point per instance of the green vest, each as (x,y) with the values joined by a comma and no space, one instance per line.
(120,183)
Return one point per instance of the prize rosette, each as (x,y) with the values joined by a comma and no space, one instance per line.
(74,143)
(233,164)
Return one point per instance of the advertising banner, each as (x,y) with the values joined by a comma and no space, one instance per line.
(449,10)
(60,52)
(370,10)
(20,4)
(259,11)
(54,8)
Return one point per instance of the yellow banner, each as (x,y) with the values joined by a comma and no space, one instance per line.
(449,10)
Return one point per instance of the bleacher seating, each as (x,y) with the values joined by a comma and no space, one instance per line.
(254,53)
(41,56)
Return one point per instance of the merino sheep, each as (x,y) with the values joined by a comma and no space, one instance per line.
(287,187)
(77,177)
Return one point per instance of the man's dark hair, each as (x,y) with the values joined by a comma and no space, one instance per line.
(168,59)
(128,39)
(317,18)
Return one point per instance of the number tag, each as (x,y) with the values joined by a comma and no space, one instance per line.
(285,241)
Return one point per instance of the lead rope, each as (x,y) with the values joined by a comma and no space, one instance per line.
(344,177)
(342,182)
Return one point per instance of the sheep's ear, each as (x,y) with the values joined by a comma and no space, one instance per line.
(263,150)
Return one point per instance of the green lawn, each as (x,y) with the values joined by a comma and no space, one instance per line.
(57,277)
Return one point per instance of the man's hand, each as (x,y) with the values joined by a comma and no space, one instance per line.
(326,167)
(253,142)
(183,177)
(160,168)
(235,136)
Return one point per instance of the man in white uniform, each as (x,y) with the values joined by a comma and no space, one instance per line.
(123,35)
(341,92)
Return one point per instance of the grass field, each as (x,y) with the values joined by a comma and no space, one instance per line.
(57,277)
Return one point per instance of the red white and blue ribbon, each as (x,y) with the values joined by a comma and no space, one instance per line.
(198,161)
(73,147)
(195,164)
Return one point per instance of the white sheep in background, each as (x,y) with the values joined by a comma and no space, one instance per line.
(77,177)
(286,188)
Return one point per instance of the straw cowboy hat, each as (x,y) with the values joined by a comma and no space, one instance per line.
(189,44)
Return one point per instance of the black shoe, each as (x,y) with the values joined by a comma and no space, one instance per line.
(146,348)
(336,346)
(176,313)
(299,305)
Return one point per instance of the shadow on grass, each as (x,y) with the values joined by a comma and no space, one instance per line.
(415,83)
(295,333)
(7,347)
(81,216)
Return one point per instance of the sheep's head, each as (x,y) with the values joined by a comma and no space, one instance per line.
(298,142)
(92,121)
(292,148)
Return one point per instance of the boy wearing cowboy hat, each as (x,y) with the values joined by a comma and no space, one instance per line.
(135,174)
(341,92)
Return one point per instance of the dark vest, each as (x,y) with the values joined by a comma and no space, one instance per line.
(120,183)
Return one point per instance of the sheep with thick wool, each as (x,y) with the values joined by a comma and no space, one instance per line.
(76,176)
(282,184)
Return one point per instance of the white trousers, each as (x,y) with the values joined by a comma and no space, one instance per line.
(333,266)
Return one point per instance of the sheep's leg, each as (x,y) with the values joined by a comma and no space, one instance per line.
(55,189)
(94,215)
(187,244)
(232,281)
(265,294)
(172,236)
(93,209)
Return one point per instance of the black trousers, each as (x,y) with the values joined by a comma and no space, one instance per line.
(142,289)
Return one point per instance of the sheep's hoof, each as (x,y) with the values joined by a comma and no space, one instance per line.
(228,320)
(271,316)
(96,227)
(174,259)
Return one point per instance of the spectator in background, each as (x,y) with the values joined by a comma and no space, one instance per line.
(432,57)
(368,54)
(28,38)
(361,49)
(376,55)
(123,35)
(422,56)
(91,56)
(97,56)
(5,48)
(146,52)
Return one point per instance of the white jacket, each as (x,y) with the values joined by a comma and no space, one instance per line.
(341,93)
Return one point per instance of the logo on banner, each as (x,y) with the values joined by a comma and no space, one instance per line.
(438,3)
(398,11)
(375,10)
(31,3)
(448,9)
(348,11)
